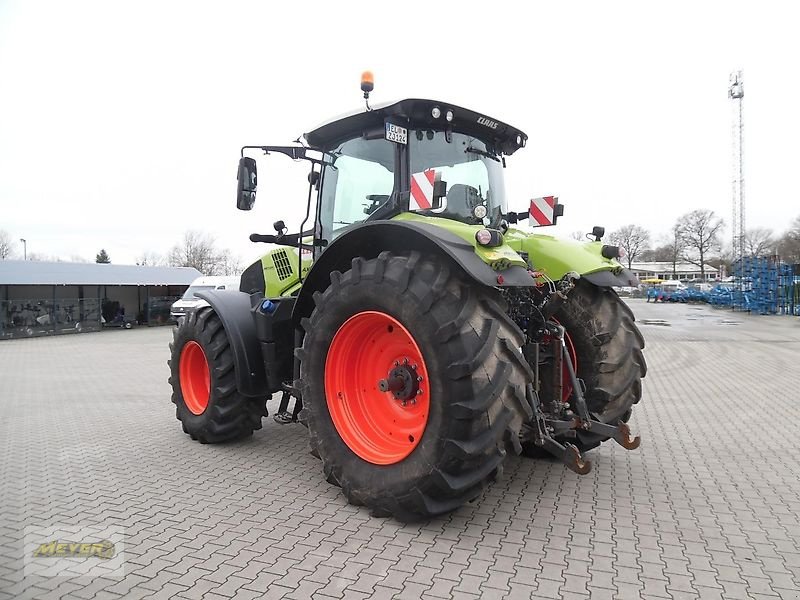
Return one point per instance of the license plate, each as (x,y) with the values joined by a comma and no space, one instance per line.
(395,133)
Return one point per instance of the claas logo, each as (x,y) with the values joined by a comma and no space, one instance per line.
(62,549)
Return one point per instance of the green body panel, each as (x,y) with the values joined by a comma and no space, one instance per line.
(499,258)
(552,256)
(280,271)
(555,257)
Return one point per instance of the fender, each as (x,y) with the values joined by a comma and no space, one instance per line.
(234,310)
(555,257)
(369,239)
(624,278)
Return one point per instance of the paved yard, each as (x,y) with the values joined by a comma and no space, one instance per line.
(707,508)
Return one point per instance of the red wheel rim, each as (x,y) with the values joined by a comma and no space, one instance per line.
(195,378)
(378,426)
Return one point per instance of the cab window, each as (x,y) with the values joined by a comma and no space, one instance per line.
(360,180)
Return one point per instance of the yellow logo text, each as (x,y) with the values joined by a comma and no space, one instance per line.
(63,549)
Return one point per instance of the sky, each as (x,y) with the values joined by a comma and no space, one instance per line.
(121,123)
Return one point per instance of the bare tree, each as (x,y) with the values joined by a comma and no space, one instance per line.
(6,247)
(634,239)
(151,259)
(229,263)
(196,250)
(699,231)
(789,244)
(578,235)
(759,241)
(674,249)
(669,251)
(38,256)
(199,250)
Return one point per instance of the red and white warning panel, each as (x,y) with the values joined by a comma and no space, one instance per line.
(422,190)
(545,211)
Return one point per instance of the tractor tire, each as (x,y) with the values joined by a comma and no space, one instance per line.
(208,405)
(608,349)
(429,454)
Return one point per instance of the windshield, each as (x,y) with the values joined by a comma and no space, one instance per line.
(472,172)
(189,294)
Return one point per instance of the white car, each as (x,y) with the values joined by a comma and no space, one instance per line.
(189,301)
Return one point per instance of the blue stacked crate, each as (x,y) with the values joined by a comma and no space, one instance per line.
(761,285)
(742,274)
(788,290)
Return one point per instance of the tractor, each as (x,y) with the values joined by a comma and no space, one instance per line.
(426,334)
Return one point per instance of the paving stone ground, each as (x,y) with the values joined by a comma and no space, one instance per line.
(707,508)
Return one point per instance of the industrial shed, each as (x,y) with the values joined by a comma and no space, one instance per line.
(683,271)
(41,298)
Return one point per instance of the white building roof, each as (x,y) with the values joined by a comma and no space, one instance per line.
(666,266)
(32,272)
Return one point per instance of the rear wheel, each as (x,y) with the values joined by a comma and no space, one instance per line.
(203,382)
(413,385)
(606,345)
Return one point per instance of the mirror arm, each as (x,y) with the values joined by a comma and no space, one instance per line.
(293,152)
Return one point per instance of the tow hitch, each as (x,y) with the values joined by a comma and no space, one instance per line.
(548,428)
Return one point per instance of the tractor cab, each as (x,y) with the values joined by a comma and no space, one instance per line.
(416,155)
(421,156)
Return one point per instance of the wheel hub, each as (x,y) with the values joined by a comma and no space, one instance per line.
(403,381)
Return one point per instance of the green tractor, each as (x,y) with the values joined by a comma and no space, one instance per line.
(425,336)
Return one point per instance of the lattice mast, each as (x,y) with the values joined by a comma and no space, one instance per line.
(736,95)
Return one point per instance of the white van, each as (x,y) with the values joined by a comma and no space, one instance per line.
(672,285)
(189,301)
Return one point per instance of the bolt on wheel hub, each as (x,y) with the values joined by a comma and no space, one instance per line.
(403,382)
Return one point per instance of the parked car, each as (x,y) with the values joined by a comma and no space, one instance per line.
(189,301)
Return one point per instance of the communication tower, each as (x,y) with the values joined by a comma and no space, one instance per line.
(736,94)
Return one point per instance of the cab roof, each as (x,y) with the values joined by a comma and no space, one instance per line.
(417,113)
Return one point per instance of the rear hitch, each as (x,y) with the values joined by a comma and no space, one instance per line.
(566,453)
(621,433)
(571,457)
(623,436)
(546,428)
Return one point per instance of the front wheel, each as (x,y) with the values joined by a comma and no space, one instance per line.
(204,392)
(413,385)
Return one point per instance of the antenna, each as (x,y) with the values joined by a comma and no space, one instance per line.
(736,94)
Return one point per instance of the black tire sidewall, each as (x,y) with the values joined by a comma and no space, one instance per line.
(396,478)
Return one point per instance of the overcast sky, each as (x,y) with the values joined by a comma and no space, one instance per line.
(120,123)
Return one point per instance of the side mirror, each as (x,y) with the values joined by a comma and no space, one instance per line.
(246,183)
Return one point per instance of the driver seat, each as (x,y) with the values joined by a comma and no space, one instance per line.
(461,199)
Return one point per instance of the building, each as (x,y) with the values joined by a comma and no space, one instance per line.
(40,298)
(683,271)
